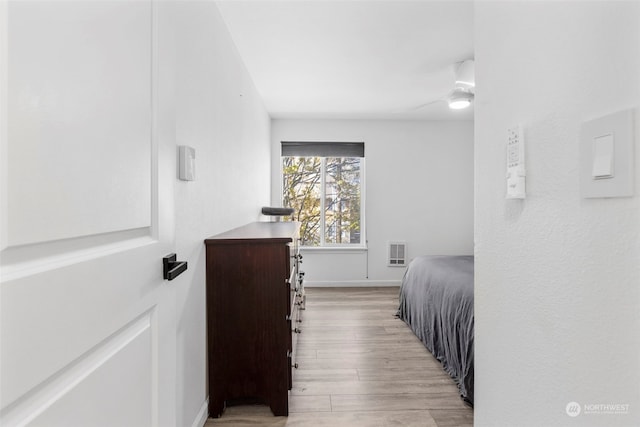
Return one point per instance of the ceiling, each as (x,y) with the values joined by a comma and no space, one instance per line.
(353,59)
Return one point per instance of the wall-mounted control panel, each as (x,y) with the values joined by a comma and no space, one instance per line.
(187,163)
(516,172)
(606,156)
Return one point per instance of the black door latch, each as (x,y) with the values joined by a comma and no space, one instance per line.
(172,268)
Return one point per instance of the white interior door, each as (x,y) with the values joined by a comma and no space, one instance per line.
(88,164)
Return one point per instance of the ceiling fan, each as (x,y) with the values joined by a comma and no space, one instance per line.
(463,89)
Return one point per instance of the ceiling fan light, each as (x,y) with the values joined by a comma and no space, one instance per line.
(460,99)
(459,104)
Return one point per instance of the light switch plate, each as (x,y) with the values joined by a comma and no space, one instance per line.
(603,150)
(606,156)
(187,161)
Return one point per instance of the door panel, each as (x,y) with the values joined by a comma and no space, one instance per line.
(90,378)
(80,122)
(87,324)
(124,409)
(51,319)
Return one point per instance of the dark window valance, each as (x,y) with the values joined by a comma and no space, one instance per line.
(322,149)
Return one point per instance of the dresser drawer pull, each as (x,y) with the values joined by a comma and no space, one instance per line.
(295,366)
(297,330)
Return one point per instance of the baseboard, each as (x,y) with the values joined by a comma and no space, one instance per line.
(202,416)
(351,283)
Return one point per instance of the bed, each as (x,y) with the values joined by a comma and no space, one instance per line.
(436,301)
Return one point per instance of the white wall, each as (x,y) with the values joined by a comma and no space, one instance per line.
(219,113)
(557,276)
(419,189)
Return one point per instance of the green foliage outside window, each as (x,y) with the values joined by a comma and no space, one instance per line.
(329,215)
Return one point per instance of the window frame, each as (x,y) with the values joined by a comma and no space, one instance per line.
(324,246)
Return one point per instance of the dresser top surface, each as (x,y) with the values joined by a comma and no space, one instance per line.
(259,231)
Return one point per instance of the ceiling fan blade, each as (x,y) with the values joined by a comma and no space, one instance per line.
(426,104)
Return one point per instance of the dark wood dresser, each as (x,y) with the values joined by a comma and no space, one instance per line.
(254,295)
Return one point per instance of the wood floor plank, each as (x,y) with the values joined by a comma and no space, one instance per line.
(359,366)
(354,362)
(303,388)
(311,403)
(398,353)
(395,402)
(328,419)
(372,348)
(368,374)
(402,338)
(325,374)
(347,329)
(452,418)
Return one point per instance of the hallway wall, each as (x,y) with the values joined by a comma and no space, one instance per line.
(557,275)
(219,113)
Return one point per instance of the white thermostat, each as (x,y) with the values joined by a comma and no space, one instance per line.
(516,171)
(187,161)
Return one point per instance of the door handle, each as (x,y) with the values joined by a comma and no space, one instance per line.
(172,268)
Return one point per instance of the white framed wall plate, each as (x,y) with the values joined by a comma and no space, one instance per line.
(607,156)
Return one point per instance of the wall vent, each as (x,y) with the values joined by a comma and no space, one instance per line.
(397,254)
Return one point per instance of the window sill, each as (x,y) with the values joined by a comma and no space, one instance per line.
(335,249)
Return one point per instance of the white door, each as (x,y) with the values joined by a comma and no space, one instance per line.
(87,171)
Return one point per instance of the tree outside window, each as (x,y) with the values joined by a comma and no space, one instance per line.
(326,194)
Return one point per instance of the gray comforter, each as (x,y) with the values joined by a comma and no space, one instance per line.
(436,301)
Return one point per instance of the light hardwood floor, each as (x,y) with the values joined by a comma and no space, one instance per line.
(360,366)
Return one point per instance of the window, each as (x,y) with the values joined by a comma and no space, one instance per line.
(323,182)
